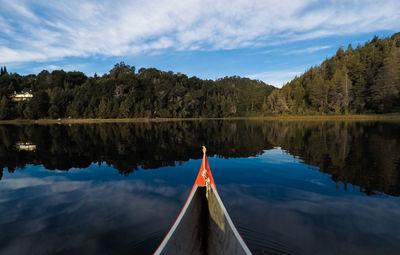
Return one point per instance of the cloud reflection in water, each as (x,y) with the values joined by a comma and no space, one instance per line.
(90,216)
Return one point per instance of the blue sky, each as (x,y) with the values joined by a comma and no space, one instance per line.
(270,40)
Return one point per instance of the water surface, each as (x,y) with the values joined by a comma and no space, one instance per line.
(290,187)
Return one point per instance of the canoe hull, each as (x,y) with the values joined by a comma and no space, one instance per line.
(203,227)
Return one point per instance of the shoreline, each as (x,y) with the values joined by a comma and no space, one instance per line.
(355,117)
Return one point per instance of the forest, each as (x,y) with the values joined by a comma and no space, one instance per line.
(361,80)
(125,93)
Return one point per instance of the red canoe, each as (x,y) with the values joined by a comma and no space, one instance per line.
(203,226)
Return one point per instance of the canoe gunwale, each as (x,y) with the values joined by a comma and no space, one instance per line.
(183,212)
(177,221)
(217,214)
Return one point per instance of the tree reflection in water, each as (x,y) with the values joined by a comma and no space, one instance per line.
(366,154)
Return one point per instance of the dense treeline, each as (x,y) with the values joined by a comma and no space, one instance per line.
(364,154)
(124,93)
(361,80)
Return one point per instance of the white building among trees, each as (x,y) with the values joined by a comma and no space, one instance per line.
(21,96)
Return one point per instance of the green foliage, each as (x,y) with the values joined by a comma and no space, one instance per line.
(3,71)
(362,80)
(5,110)
(122,93)
(38,107)
(75,78)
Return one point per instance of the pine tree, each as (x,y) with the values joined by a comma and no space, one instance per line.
(102,110)
(385,92)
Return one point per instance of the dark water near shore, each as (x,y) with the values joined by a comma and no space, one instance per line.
(290,187)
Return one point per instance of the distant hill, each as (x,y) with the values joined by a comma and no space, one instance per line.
(125,93)
(361,80)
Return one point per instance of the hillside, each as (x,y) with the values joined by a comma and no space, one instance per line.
(125,93)
(361,80)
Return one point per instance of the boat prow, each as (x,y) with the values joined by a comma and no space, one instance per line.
(203,225)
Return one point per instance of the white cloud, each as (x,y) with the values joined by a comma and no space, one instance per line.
(23,183)
(310,49)
(68,67)
(48,30)
(276,78)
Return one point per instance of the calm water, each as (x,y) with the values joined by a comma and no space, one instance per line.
(290,187)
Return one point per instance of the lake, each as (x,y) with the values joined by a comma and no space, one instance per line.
(295,187)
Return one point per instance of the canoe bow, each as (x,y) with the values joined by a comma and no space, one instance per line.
(203,225)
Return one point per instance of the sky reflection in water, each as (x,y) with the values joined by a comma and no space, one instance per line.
(279,204)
